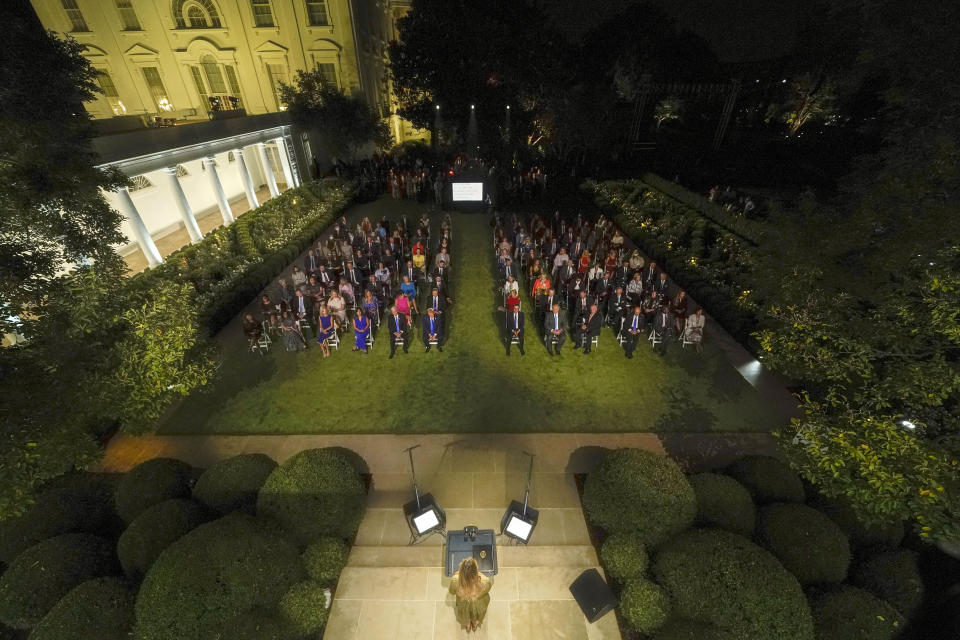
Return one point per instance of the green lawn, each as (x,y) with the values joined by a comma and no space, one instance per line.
(472,386)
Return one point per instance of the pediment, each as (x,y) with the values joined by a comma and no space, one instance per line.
(271,47)
(140,50)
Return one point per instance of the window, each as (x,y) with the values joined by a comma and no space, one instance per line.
(157,91)
(278,75)
(317,13)
(77,23)
(196,14)
(329,72)
(110,93)
(127,15)
(217,84)
(262,14)
(138,183)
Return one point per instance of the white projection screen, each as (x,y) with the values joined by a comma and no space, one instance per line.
(467,191)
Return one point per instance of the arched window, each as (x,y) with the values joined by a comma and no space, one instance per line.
(196,14)
(217,84)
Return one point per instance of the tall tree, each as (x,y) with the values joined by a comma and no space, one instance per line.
(54,213)
(345,122)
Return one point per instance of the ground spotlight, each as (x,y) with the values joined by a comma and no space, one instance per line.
(438,107)
(508,107)
(472,107)
(424,516)
(520,519)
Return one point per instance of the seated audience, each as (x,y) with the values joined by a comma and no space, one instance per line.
(432,330)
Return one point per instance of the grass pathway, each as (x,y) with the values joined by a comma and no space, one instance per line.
(472,386)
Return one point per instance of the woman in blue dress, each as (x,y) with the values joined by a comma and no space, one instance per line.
(361,330)
(325,330)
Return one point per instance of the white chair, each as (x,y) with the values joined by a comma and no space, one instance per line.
(696,340)
(654,338)
(334,341)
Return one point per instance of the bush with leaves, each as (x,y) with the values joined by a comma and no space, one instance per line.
(47,571)
(83,505)
(691,630)
(155,529)
(893,576)
(324,559)
(723,579)
(767,479)
(232,484)
(846,613)
(303,609)
(724,503)
(644,605)
(808,543)
(624,556)
(218,571)
(253,624)
(150,483)
(100,609)
(860,534)
(315,493)
(633,490)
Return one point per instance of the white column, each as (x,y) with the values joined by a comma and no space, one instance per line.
(246,179)
(285,163)
(211,166)
(142,236)
(268,170)
(183,206)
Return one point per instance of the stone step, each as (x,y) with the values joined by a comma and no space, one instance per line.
(508,556)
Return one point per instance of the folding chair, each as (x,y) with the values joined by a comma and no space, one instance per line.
(655,338)
(263,344)
(697,341)
(334,341)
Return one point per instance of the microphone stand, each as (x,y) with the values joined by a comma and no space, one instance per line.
(413,472)
(526,493)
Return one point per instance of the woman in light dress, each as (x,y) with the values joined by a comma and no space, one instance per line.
(472,589)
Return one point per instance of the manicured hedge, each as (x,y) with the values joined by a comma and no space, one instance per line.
(255,624)
(47,571)
(303,609)
(233,484)
(691,630)
(808,543)
(315,493)
(767,479)
(325,559)
(150,483)
(212,575)
(155,529)
(723,579)
(100,609)
(639,491)
(724,503)
(624,556)
(893,576)
(84,507)
(848,613)
(644,605)
(861,535)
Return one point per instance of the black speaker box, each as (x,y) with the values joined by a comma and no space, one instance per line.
(593,595)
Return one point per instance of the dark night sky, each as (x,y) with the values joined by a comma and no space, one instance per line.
(739,30)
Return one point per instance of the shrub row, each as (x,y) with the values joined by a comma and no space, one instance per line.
(710,262)
(232,264)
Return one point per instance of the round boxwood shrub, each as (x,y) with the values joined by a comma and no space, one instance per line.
(255,624)
(848,613)
(809,544)
(325,559)
(85,507)
(724,503)
(155,529)
(233,484)
(723,579)
(315,493)
(767,479)
(893,576)
(691,630)
(100,609)
(303,609)
(624,556)
(47,571)
(218,571)
(887,536)
(151,483)
(636,490)
(644,605)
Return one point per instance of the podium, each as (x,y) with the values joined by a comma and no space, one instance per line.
(482,547)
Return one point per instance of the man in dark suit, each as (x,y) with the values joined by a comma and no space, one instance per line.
(515,329)
(443,288)
(555,329)
(632,330)
(437,302)
(662,287)
(508,270)
(325,279)
(651,274)
(432,330)
(663,329)
(581,306)
(617,307)
(546,303)
(354,276)
(302,307)
(397,324)
(589,327)
(311,263)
